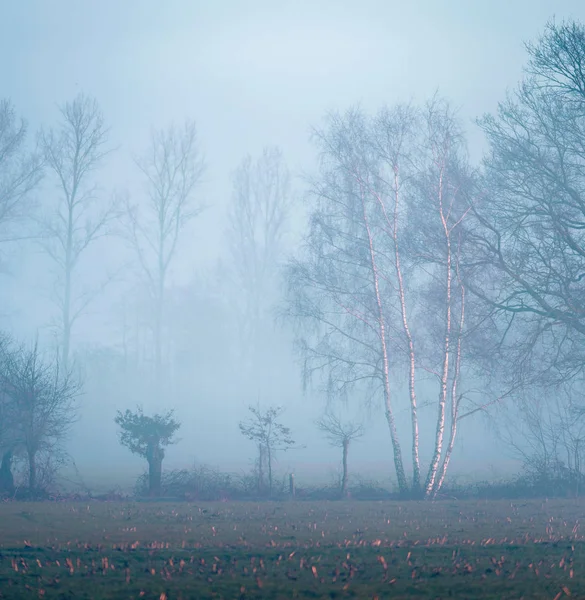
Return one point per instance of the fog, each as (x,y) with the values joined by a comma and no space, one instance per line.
(251,75)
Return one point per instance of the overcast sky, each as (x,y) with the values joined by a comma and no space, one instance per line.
(260,72)
(253,73)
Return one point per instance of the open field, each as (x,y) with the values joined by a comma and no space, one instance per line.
(448,549)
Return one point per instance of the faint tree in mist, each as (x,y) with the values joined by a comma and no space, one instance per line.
(172,167)
(20,173)
(43,402)
(341,434)
(264,428)
(9,428)
(73,152)
(257,222)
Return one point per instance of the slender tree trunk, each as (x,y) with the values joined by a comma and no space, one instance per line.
(269,456)
(454,398)
(66,340)
(6,477)
(158,345)
(261,453)
(398,462)
(344,463)
(159,310)
(125,337)
(32,471)
(411,354)
(440,429)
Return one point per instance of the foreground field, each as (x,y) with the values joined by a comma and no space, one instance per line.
(531,549)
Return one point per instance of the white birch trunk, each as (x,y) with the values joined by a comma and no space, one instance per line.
(440,428)
(398,461)
(411,353)
(454,399)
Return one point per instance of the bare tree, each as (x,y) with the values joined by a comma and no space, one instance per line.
(529,229)
(258,215)
(44,398)
(264,429)
(73,152)
(20,172)
(548,435)
(350,293)
(340,433)
(172,167)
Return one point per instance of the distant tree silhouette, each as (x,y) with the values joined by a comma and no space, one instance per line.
(147,437)
(340,434)
(270,435)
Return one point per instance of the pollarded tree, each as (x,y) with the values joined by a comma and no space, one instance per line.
(341,434)
(147,437)
(264,429)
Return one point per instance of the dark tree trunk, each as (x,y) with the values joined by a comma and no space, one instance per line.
(344,462)
(269,456)
(32,471)
(261,460)
(155,459)
(6,477)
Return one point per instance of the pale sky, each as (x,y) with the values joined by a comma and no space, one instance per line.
(254,73)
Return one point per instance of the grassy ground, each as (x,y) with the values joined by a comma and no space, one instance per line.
(449,549)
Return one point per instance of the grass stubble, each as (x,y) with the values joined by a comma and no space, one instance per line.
(168,551)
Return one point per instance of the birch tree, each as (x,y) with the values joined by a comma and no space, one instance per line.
(436,208)
(73,152)
(349,291)
(172,168)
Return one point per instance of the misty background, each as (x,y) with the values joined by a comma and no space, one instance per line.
(251,75)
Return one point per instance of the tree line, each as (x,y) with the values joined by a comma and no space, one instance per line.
(423,281)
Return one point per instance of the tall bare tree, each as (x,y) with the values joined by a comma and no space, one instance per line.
(172,168)
(258,215)
(350,288)
(340,433)
(73,152)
